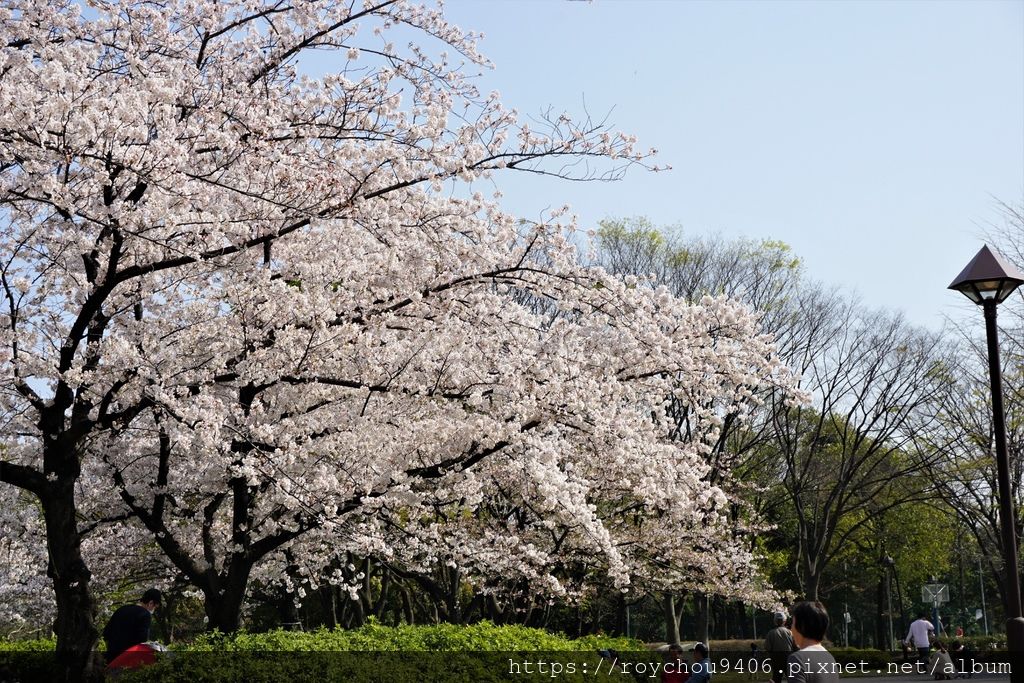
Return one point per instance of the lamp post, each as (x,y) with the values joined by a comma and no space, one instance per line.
(888,563)
(981,589)
(899,598)
(987,280)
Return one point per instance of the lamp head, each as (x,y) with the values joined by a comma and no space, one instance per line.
(988,277)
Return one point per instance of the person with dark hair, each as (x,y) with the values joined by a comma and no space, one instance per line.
(779,644)
(919,636)
(129,624)
(674,670)
(811,663)
(700,670)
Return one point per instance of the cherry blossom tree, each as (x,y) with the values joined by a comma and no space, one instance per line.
(451,408)
(251,307)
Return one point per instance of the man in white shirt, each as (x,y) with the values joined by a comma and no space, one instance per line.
(919,636)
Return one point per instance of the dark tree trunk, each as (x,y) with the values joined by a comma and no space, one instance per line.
(366,590)
(385,594)
(166,617)
(452,607)
(621,620)
(723,609)
(287,612)
(76,612)
(530,611)
(813,583)
(743,620)
(330,604)
(493,610)
(703,608)
(224,609)
(407,611)
(880,636)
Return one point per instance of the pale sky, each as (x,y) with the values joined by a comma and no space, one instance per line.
(873,137)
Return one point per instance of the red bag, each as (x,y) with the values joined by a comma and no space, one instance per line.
(137,655)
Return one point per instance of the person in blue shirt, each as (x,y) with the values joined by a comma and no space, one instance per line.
(700,670)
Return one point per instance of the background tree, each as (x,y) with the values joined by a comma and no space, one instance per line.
(875,380)
(819,473)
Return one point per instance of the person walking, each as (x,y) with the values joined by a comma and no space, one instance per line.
(811,663)
(129,625)
(778,643)
(919,636)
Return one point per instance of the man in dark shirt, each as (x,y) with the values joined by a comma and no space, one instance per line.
(779,644)
(129,625)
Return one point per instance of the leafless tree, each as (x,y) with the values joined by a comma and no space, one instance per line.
(856,450)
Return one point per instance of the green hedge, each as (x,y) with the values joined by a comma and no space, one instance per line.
(445,652)
(480,637)
(35,645)
(992,642)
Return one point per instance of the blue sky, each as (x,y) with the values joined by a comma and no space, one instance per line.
(874,137)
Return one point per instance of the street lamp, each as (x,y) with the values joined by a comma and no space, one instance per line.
(891,564)
(888,563)
(987,280)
